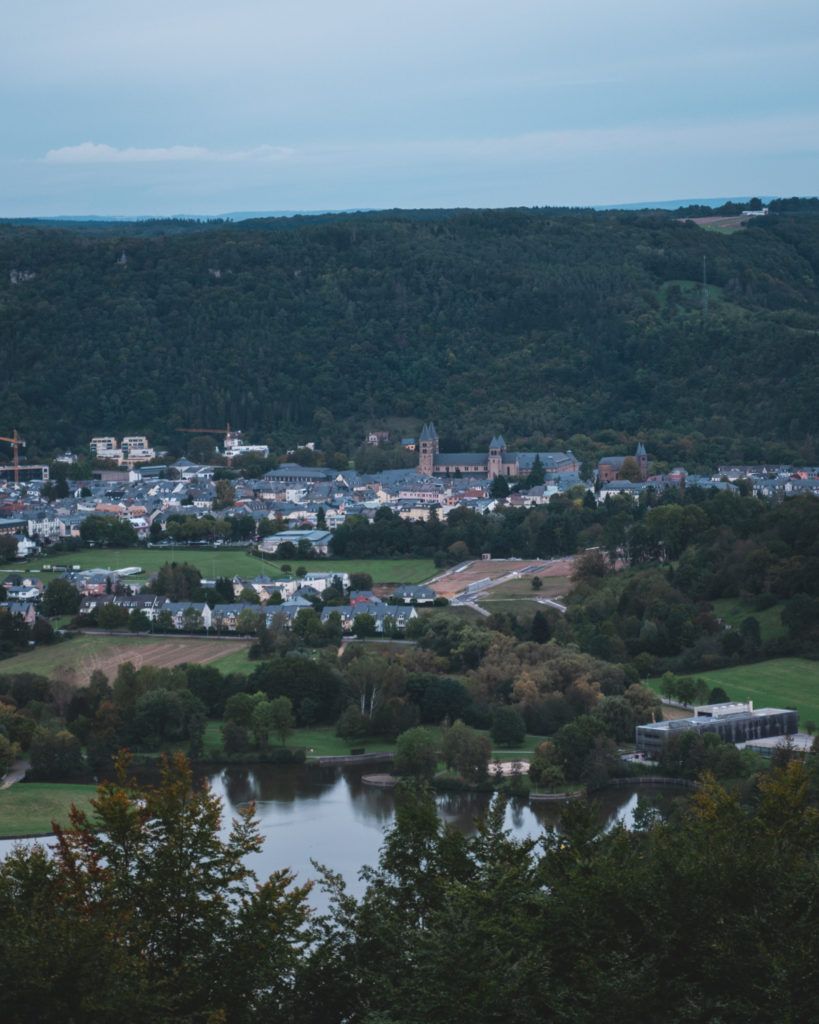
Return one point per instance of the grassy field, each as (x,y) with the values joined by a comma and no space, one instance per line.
(322,741)
(512,606)
(784,682)
(28,808)
(733,612)
(74,660)
(236,660)
(552,586)
(226,562)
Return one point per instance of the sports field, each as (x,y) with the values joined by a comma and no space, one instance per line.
(74,660)
(226,562)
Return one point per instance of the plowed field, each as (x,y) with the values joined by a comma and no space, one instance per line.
(75,659)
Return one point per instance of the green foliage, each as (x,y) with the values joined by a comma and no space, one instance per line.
(572,305)
(364,625)
(466,751)
(111,616)
(297,678)
(352,724)
(61,598)
(121,921)
(415,753)
(55,755)
(178,582)
(508,728)
(283,721)
(138,621)
(108,531)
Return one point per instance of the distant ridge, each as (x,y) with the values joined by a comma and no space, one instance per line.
(240,215)
(674,204)
(233,216)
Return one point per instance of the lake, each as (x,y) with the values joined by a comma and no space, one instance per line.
(329,815)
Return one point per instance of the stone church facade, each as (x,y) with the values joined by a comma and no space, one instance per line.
(497,461)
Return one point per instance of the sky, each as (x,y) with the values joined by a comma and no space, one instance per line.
(199,107)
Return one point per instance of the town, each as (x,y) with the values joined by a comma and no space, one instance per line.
(291,513)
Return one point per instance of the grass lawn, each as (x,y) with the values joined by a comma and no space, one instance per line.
(733,611)
(553,586)
(227,562)
(28,808)
(321,741)
(235,661)
(513,606)
(782,683)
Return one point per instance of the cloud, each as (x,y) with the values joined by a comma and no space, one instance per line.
(99,153)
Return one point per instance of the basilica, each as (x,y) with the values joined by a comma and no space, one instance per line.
(497,461)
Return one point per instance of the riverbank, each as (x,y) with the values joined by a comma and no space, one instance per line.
(28,809)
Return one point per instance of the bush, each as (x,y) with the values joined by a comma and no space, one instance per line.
(415,753)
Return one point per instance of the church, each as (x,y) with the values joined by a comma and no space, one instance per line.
(487,465)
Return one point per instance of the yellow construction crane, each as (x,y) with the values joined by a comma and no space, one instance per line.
(17,444)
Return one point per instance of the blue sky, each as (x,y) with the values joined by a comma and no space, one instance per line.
(180,107)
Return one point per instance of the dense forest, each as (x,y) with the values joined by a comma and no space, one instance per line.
(555,326)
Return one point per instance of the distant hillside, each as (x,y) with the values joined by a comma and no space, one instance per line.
(545,324)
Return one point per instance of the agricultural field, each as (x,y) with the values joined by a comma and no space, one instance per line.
(227,562)
(29,808)
(74,660)
(783,683)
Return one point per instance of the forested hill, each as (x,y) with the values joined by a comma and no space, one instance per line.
(543,324)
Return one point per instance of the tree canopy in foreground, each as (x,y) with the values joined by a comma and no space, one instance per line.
(704,915)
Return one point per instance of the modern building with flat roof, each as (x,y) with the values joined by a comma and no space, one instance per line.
(733,722)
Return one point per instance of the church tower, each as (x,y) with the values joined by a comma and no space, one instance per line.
(494,466)
(427,450)
(642,460)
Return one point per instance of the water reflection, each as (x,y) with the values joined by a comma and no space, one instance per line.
(330,816)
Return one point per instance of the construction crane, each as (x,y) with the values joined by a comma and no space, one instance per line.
(17,444)
(209,430)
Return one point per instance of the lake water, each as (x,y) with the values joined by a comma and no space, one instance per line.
(329,815)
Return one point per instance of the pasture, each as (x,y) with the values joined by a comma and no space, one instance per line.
(782,683)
